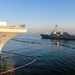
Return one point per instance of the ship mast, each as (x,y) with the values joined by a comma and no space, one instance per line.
(55,28)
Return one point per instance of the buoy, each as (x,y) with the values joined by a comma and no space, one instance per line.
(56,43)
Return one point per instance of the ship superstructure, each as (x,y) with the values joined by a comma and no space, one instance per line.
(7,32)
(57,35)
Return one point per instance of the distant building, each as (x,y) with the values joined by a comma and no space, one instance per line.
(3,23)
(23,25)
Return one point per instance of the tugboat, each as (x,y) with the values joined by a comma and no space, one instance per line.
(58,35)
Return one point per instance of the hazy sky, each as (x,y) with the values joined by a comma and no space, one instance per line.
(39,15)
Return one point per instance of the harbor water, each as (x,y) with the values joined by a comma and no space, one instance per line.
(50,59)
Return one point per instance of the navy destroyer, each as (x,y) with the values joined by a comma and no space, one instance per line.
(57,35)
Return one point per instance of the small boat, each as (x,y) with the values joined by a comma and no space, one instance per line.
(57,35)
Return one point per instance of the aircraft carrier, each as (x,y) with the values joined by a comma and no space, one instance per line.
(7,32)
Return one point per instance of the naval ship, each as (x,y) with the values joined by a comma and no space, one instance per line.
(7,32)
(57,35)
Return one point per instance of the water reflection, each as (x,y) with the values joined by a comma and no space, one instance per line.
(5,65)
(56,48)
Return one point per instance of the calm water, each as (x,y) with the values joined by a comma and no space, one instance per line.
(50,59)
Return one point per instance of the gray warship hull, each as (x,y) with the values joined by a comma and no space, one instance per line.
(61,37)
